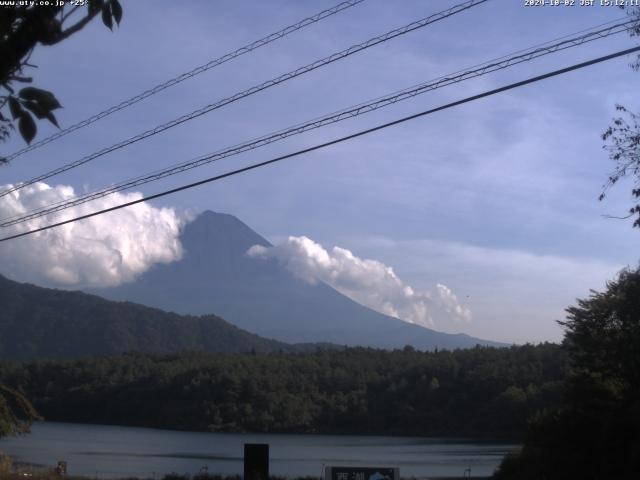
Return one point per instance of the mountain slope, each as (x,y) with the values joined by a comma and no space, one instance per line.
(216,276)
(41,322)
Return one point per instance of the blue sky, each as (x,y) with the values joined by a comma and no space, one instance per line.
(496,199)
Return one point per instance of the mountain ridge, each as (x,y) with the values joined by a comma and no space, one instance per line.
(216,276)
(38,322)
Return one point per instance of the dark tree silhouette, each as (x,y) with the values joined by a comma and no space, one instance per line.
(622,140)
(595,432)
(23,28)
(16,412)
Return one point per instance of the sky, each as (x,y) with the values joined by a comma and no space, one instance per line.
(497,199)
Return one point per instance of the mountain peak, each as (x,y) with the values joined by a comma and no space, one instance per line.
(209,215)
(217,276)
(219,232)
(217,218)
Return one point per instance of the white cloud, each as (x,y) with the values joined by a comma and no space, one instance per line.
(105,250)
(368,282)
(516,295)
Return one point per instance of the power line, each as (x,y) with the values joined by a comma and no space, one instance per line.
(333,142)
(483,69)
(258,88)
(192,73)
(487,67)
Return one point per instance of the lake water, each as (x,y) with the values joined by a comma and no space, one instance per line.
(107,451)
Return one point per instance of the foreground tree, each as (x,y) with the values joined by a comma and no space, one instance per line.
(22,28)
(16,415)
(622,140)
(595,433)
(16,412)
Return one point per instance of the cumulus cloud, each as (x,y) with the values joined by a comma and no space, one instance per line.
(516,295)
(369,282)
(105,250)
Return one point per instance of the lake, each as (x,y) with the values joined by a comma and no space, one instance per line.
(109,451)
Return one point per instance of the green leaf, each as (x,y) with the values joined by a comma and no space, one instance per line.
(51,117)
(27,127)
(106,16)
(40,112)
(35,108)
(14,107)
(116,9)
(46,99)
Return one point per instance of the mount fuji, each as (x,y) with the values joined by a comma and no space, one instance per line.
(216,276)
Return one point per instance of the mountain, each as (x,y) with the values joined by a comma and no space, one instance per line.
(216,276)
(40,322)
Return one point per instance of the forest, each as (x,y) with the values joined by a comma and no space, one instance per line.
(575,406)
(594,431)
(484,391)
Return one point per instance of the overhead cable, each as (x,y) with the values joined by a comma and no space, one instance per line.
(332,142)
(258,88)
(354,111)
(187,75)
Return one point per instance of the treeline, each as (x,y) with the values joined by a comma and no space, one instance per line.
(474,392)
(594,431)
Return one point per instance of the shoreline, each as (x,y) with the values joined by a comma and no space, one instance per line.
(25,470)
(442,438)
(176,451)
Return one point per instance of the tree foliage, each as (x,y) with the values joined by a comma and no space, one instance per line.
(623,145)
(16,412)
(622,140)
(481,391)
(23,28)
(595,431)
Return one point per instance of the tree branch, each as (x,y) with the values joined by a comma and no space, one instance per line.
(78,26)
(69,13)
(617,218)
